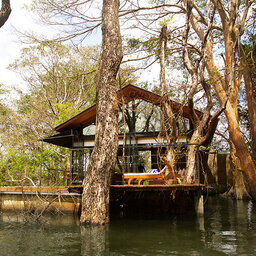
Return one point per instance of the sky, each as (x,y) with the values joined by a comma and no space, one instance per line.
(10,45)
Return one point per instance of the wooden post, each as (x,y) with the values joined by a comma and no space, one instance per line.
(199,203)
(41,162)
(197,172)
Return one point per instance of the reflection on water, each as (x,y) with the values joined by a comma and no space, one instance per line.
(94,240)
(227,228)
(61,236)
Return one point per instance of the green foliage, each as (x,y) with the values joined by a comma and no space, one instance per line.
(126,76)
(149,45)
(61,83)
(17,165)
(203,148)
(165,21)
(144,158)
(3,111)
(134,43)
(65,112)
(145,182)
(2,89)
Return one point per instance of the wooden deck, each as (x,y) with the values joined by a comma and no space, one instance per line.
(173,187)
(124,199)
(79,188)
(34,189)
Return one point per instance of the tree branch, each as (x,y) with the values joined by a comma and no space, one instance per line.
(5,12)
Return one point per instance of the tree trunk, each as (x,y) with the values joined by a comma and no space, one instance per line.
(169,161)
(231,36)
(248,71)
(242,151)
(238,188)
(5,12)
(94,240)
(231,33)
(220,85)
(95,198)
(191,165)
(191,162)
(251,108)
(205,125)
(169,121)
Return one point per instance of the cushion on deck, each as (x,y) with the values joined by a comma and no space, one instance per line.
(152,171)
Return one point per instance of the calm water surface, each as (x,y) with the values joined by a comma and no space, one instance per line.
(227,228)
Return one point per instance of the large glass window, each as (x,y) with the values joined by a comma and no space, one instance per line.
(140,116)
(89,130)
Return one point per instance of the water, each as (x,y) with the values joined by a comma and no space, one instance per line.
(227,228)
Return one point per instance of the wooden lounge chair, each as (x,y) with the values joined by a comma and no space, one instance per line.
(144,176)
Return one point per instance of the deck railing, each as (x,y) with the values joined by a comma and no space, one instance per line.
(136,159)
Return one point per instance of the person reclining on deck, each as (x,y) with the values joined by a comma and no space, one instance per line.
(152,174)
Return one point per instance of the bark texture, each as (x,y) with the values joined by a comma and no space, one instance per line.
(238,188)
(230,81)
(169,125)
(95,198)
(249,74)
(231,35)
(95,240)
(5,12)
(205,125)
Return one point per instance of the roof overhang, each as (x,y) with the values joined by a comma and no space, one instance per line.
(64,139)
(128,93)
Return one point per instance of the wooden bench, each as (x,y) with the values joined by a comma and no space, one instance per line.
(160,176)
(143,176)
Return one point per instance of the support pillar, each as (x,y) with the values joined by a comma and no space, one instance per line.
(199,203)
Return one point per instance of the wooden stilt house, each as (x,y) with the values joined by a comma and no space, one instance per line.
(141,140)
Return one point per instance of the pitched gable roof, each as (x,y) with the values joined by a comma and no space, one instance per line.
(128,93)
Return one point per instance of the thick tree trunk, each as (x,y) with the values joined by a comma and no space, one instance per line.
(191,164)
(231,35)
(169,121)
(248,71)
(5,12)
(229,19)
(169,161)
(95,198)
(242,151)
(192,151)
(205,125)
(220,85)
(238,188)
(251,107)
(94,240)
